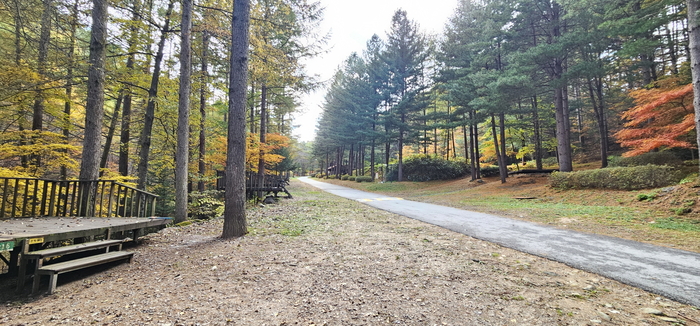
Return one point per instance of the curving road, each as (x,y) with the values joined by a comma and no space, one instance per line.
(669,272)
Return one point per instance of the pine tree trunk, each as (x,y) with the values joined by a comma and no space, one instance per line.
(69,83)
(504,157)
(235,224)
(496,147)
(110,132)
(537,136)
(182,154)
(263,136)
(145,137)
(94,108)
(694,36)
(203,110)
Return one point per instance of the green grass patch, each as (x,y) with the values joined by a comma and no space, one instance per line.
(551,210)
(678,224)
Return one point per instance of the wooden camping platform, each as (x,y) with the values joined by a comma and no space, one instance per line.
(20,235)
(65,228)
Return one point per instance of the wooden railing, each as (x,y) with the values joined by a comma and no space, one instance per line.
(254,186)
(29,197)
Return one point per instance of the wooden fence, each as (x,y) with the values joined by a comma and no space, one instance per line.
(257,187)
(29,197)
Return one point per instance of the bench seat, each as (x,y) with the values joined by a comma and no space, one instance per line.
(54,270)
(65,250)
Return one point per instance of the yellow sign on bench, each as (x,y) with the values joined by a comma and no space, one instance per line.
(36,240)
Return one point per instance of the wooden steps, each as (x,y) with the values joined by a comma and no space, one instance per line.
(54,270)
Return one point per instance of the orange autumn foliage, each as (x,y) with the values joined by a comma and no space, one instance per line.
(274,141)
(662,118)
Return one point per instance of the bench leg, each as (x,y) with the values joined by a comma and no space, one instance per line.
(35,284)
(21,275)
(53,277)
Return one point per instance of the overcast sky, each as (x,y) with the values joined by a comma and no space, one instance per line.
(351,24)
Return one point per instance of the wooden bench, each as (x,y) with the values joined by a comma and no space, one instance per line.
(40,255)
(54,270)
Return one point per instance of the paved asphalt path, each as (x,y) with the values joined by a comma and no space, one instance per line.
(669,272)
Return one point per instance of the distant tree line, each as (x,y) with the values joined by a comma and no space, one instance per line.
(515,80)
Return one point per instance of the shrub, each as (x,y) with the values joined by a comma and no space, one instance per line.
(550,161)
(621,178)
(490,171)
(653,158)
(427,168)
(206,204)
(363,179)
(351,178)
(344,177)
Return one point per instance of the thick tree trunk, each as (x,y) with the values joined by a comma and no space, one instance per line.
(563,135)
(145,137)
(234,215)
(94,108)
(182,154)
(694,36)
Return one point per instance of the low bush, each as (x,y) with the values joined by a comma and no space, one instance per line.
(206,204)
(364,178)
(351,178)
(653,158)
(427,168)
(344,177)
(620,178)
(490,171)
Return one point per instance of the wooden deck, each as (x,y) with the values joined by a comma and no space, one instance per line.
(20,235)
(64,228)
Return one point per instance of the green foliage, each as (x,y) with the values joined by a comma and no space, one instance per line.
(654,158)
(352,178)
(550,161)
(427,168)
(363,178)
(646,197)
(344,177)
(688,179)
(206,204)
(672,223)
(621,178)
(490,171)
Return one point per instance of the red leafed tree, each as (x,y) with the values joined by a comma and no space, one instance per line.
(662,118)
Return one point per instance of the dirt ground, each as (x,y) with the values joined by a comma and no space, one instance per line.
(321,260)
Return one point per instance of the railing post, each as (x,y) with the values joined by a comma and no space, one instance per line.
(25,198)
(14,198)
(153,207)
(134,196)
(52,200)
(73,197)
(111,194)
(4,198)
